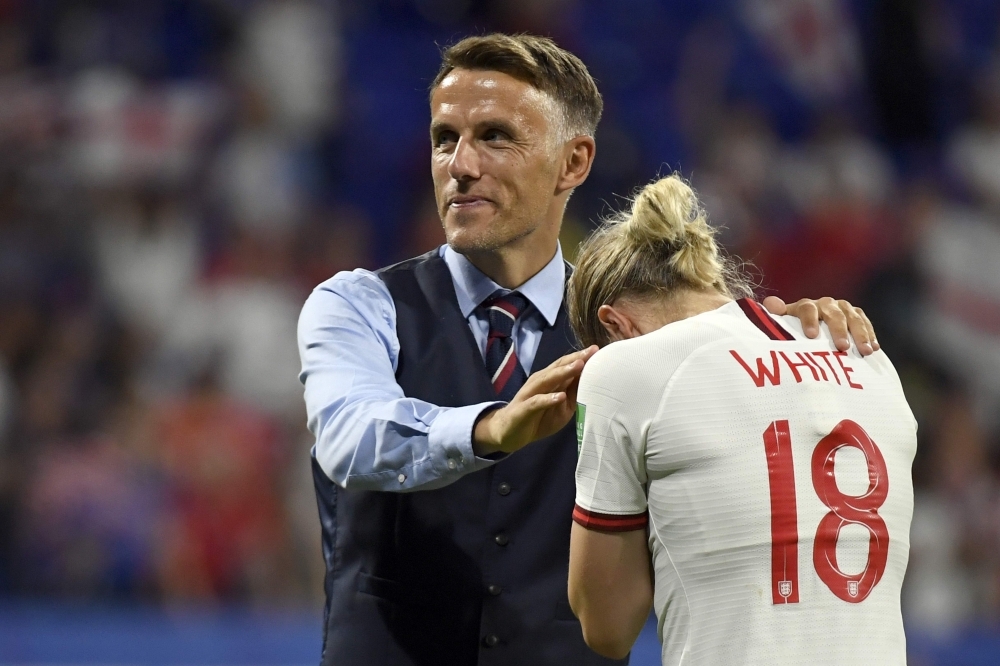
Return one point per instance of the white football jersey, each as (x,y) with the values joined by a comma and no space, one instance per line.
(775,476)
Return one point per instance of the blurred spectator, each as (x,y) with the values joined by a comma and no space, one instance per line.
(92,515)
(244,318)
(293,57)
(127,133)
(813,41)
(335,239)
(960,325)
(225,535)
(7,404)
(257,173)
(954,574)
(740,179)
(974,150)
(148,253)
(839,186)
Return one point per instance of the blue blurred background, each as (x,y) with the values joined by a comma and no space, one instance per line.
(175,176)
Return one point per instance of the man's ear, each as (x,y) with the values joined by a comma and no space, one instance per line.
(578,158)
(618,324)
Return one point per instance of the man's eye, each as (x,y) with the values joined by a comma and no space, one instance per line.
(494,135)
(444,139)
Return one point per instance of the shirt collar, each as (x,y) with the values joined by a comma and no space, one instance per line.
(544,289)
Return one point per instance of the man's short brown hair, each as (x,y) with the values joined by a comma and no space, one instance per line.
(538,62)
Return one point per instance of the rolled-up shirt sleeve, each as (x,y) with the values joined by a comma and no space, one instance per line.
(369,435)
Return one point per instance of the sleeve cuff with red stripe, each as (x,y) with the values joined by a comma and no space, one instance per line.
(607,522)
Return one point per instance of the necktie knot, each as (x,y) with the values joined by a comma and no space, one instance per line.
(503,311)
(502,363)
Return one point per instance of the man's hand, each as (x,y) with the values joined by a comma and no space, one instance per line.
(840,316)
(545,403)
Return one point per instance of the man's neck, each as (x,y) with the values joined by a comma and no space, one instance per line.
(510,267)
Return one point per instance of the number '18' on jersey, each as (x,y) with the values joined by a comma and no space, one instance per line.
(775,476)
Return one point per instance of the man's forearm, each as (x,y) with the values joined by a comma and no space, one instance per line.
(369,435)
(398,446)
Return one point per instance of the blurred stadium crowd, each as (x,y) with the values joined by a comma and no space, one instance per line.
(175,176)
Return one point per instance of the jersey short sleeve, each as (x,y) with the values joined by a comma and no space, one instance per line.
(610,473)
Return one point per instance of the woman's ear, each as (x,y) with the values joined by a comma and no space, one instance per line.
(617,323)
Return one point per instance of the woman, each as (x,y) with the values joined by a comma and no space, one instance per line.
(749,483)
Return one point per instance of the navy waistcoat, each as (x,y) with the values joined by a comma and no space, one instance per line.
(471,573)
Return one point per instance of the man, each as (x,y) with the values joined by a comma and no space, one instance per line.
(421,379)
(763,477)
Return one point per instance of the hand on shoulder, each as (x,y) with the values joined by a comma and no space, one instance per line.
(545,404)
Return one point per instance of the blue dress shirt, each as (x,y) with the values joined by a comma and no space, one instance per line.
(369,435)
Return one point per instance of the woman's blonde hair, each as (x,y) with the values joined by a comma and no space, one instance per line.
(662,244)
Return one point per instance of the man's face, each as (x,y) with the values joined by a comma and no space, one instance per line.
(495,158)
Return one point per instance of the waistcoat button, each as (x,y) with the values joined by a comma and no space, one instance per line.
(494,589)
(491,640)
(504,488)
(501,539)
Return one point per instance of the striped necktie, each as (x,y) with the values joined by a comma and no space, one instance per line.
(502,363)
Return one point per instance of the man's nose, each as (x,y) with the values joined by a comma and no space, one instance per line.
(464,164)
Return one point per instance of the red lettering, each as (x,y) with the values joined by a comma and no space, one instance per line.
(784,514)
(847,369)
(804,363)
(774,376)
(809,358)
(844,510)
(850,509)
(824,355)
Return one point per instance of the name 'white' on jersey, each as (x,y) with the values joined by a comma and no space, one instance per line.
(776,474)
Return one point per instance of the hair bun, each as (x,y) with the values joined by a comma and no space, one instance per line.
(666,213)
(661,211)
(662,244)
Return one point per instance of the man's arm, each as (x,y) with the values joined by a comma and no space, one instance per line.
(369,435)
(610,587)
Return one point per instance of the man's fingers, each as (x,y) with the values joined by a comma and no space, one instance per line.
(559,370)
(555,377)
(582,355)
(836,319)
(537,403)
(775,305)
(558,374)
(560,378)
(871,329)
(807,311)
(859,326)
(544,401)
(843,319)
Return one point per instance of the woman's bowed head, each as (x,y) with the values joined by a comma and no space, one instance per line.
(650,265)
